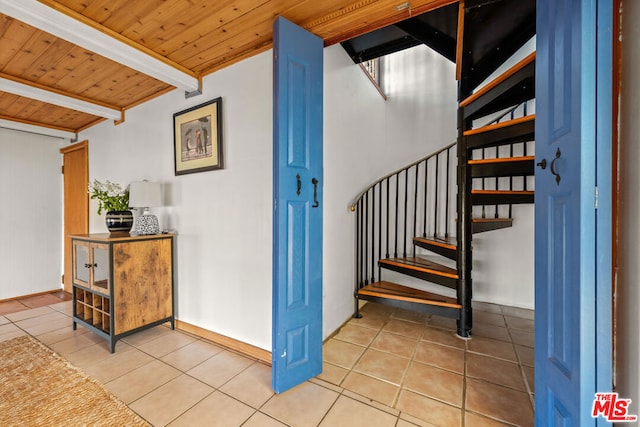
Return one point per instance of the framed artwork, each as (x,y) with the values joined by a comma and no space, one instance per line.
(197,138)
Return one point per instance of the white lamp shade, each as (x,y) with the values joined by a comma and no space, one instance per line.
(145,194)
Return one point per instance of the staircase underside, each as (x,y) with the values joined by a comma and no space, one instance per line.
(390,293)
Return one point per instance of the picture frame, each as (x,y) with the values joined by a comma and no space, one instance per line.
(197,138)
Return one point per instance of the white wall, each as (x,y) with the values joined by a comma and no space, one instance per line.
(628,296)
(30,213)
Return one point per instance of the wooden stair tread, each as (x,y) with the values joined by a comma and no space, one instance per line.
(480,220)
(395,291)
(445,242)
(501,160)
(503,192)
(422,265)
(501,125)
(501,78)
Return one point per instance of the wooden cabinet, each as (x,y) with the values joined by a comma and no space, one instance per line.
(122,285)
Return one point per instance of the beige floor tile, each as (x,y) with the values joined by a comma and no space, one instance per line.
(166,343)
(362,399)
(9,327)
(62,334)
(495,371)
(349,412)
(404,328)
(529,375)
(11,335)
(436,383)
(499,402)
(286,407)
(523,313)
(29,313)
(370,320)
(405,423)
(441,356)
(523,338)
(332,373)
(395,344)
(520,323)
(252,386)
(261,420)
(356,334)
(475,420)
(499,333)
(95,354)
(65,307)
(341,353)
(443,323)
(191,355)
(385,366)
(63,322)
(429,410)
(171,400)
(135,384)
(411,316)
(220,368)
(377,309)
(12,307)
(216,410)
(139,338)
(487,346)
(3,320)
(485,306)
(73,343)
(372,388)
(118,365)
(526,355)
(485,317)
(442,336)
(50,316)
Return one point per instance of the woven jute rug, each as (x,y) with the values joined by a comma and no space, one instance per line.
(40,388)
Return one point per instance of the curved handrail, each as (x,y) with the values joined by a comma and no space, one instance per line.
(352,206)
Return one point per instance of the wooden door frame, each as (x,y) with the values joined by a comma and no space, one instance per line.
(70,208)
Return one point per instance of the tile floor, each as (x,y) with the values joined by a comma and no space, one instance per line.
(389,368)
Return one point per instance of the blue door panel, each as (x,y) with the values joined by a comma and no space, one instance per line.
(297,219)
(568,354)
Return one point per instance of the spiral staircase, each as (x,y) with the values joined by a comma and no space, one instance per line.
(417,223)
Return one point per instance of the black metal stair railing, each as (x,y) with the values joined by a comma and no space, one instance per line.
(418,199)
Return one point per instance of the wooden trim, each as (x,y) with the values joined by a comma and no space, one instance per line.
(77,146)
(231,343)
(37,294)
(500,125)
(405,14)
(460,40)
(373,82)
(501,160)
(502,77)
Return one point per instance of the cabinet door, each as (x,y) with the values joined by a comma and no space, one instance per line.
(81,264)
(101,268)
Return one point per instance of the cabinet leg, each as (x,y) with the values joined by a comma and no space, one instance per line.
(173,323)
(74,326)
(112,346)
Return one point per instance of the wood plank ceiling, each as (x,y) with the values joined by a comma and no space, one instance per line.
(197,37)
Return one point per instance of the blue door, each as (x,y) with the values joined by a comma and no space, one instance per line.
(573,210)
(297,215)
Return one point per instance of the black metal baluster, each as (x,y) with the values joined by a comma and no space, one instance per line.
(380,229)
(415,209)
(446,206)
(395,236)
(388,222)
(365,250)
(406,199)
(435,199)
(426,197)
(373,234)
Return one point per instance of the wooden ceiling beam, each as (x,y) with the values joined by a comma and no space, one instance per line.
(75,28)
